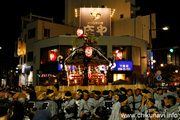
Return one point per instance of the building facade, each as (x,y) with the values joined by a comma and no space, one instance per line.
(124,20)
(129,37)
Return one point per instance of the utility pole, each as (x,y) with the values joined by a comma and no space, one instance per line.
(150,47)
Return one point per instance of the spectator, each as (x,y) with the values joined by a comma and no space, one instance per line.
(90,101)
(57,117)
(5,109)
(178,97)
(146,95)
(83,109)
(125,109)
(137,100)
(18,110)
(42,115)
(159,98)
(111,93)
(116,107)
(130,98)
(69,108)
(152,110)
(32,96)
(171,111)
(49,103)
(106,102)
(1,88)
(101,113)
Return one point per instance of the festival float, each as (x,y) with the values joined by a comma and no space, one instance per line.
(86,65)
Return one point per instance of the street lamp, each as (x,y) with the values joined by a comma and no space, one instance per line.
(165,28)
(162,65)
(171,50)
(0,47)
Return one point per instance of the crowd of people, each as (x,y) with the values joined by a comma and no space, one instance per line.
(151,103)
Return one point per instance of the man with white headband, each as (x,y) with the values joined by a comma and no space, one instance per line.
(69,107)
(49,104)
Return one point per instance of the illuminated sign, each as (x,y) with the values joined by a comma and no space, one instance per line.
(52,56)
(48,75)
(122,66)
(152,66)
(97,21)
(88,51)
(21,47)
(80,32)
(119,56)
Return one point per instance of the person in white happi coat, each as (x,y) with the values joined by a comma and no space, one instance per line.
(130,98)
(171,109)
(90,101)
(68,107)
(115,115)
(137,101)
(83,110)
(159,97)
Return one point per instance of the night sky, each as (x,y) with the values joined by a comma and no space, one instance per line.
(11,12)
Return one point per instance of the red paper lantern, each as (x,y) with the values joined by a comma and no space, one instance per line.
(88,51)
(89,75)
(80,32)
(52,56)
(119,56)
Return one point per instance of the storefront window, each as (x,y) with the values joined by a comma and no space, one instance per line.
(118,77)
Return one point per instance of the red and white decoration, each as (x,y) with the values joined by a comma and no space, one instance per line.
(80,32)
(119,56)
(88,51)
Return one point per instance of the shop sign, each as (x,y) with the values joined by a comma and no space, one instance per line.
(97,21)
(122,66)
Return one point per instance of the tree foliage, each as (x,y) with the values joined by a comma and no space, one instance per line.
(91,40)
(168,72)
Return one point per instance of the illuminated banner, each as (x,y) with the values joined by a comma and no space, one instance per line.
(97,21)
(151,57)
(122,66)
(48,75)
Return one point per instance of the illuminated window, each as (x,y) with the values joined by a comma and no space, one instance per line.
(118,77)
